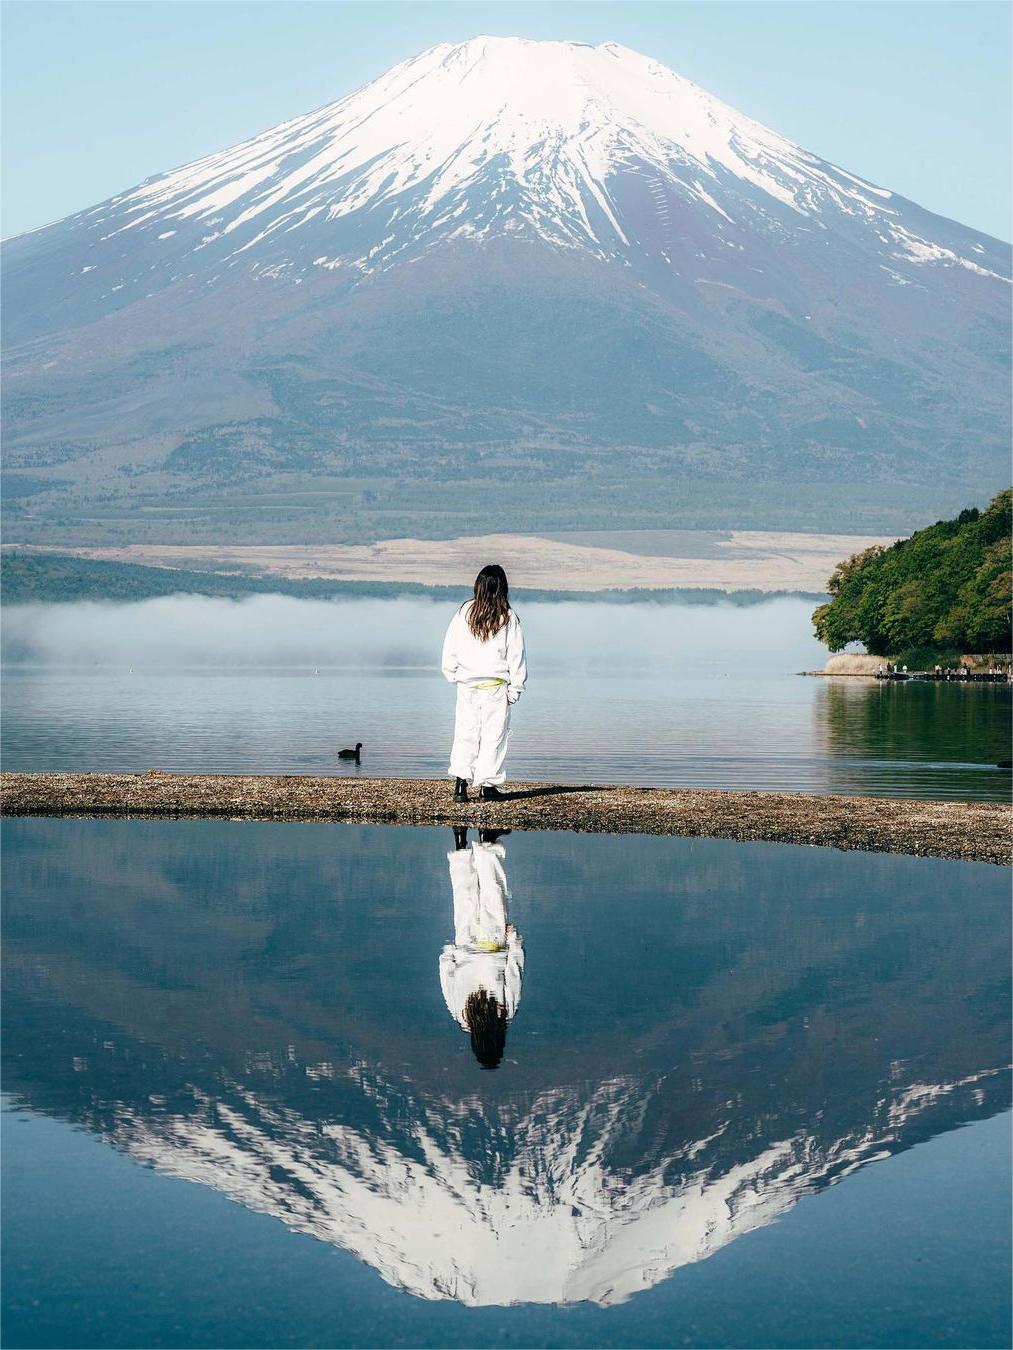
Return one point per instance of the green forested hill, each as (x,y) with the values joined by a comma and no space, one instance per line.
(941,593)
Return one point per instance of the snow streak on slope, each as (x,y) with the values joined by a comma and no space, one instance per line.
(504,135)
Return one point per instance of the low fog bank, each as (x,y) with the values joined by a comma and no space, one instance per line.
(280,632)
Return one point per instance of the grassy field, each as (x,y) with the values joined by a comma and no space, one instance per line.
(737,560)
(54,578)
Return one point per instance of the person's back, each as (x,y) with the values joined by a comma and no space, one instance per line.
(492,656)
(483,654)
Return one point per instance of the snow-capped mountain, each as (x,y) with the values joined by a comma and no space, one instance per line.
(561,1225)
(566,256)
(583,1205)
(597,149)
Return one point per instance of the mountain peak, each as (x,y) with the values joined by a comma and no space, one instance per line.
(594,148)
(540,133)
(503,243)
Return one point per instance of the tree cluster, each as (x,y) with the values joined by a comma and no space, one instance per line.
(945,590)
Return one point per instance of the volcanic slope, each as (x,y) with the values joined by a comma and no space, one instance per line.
(544,261)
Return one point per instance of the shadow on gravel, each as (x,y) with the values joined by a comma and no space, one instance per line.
(544,792)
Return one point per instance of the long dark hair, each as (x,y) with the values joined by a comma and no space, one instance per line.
(490,609)
(487,1022)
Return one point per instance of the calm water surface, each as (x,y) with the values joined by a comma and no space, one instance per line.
(750,1094)
(654,694)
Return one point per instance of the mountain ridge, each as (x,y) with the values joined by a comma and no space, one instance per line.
(543,261)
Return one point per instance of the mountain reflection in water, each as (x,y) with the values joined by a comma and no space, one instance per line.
(710,1032)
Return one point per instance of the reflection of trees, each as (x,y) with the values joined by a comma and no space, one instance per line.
(249,1007)
(914,720)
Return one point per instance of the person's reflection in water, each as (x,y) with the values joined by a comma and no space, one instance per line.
(482,969)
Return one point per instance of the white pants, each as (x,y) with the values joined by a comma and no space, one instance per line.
(481,732)
(479,884)
(486,952)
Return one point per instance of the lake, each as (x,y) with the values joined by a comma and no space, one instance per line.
(664,694)
(751,1094)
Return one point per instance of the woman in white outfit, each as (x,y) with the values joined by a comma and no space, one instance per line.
(483,654)
(482,969)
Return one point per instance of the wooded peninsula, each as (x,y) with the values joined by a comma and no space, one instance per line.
(930,599)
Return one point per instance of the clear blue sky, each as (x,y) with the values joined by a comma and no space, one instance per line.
(99,95)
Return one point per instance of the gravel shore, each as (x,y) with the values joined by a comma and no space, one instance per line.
(979,831)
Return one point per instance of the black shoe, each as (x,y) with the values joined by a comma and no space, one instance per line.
(490,836)
(460,836)
(490,794)
(460,789)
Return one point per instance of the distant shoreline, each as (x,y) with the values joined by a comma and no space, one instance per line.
(42,577)
(663,560)
(972,831)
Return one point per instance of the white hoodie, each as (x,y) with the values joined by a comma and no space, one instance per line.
(486,952)
(468,660)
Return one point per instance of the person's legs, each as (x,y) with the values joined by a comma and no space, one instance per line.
(464,884)
(494,720)
(467,730)
(492,890)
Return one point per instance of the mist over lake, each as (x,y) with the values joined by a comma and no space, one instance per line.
(674,694)
(278,631)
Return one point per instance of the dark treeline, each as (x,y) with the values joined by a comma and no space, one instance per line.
(941,594)
(61,578)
